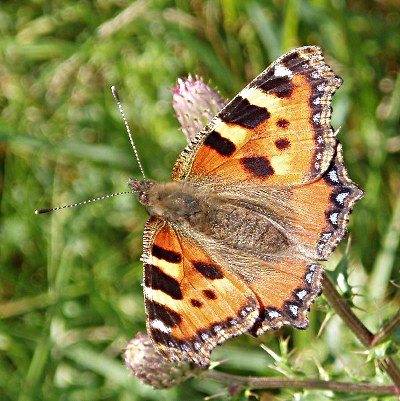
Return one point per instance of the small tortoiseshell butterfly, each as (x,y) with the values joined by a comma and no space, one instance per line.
(259,196)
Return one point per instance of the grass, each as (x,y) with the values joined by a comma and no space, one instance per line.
(70,283)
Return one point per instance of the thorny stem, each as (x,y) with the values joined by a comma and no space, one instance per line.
(386,330)
(340,306)
(273,382)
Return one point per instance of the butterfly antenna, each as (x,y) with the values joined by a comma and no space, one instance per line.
(121,110)
(99,198)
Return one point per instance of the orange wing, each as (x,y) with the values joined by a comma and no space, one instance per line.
(192,303)
(276,131)
(285,289)
(321,209)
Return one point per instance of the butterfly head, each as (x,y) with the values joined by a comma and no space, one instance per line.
(141,189)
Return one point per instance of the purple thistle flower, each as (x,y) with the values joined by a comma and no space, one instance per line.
(195,104)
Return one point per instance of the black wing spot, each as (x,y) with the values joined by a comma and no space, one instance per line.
(241,112)
(290,59)
(209,270)
(282,123)
(165,254)
(220,144)
(156,279)
(258,166)
(161,312)
(196,303)
(282,143)
(210,294)
(281,87)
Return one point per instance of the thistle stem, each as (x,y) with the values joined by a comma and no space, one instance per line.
(341,307)
(386,330)
(273,382)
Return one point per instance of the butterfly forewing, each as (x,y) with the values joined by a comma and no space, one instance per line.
(192,303)
(276,131)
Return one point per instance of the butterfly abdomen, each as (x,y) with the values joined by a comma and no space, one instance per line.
(244,229)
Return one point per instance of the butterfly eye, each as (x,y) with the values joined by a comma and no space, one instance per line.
(143,198)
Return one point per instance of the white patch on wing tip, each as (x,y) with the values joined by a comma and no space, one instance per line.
(158,324)
(282,71)
(217,120)
(247,93)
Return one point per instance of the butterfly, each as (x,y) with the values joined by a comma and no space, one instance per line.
(258,197)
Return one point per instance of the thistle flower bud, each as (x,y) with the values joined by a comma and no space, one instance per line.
(195,104)
(151,368)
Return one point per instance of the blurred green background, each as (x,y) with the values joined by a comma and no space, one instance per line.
(70,282)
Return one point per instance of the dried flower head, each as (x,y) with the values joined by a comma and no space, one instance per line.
(152,368)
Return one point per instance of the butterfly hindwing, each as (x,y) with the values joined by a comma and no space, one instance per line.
(321,209)
(285,289)
(276,131)
(192,303)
